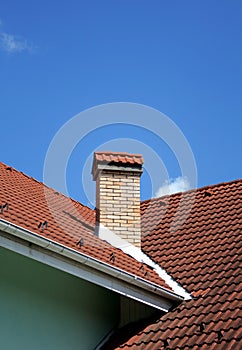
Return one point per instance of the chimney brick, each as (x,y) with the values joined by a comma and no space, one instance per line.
(117,177)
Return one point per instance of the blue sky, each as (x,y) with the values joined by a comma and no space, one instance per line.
(183,58)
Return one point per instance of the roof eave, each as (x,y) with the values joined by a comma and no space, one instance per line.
(49,252)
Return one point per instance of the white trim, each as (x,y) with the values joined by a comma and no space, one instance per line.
(128,248)
(66,259)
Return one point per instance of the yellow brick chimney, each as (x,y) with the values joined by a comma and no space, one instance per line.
(117,177)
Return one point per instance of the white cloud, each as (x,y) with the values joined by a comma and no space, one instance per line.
(179,184)
(13,44)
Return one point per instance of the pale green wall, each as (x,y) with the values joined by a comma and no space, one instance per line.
(42,308)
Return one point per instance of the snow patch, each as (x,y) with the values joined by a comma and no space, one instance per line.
(106,235)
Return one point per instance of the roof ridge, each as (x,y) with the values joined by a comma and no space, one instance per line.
(46,186)
(153,199)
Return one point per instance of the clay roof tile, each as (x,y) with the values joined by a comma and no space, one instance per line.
(31,204)
(203,253)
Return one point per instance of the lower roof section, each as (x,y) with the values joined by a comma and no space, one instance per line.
(39,248)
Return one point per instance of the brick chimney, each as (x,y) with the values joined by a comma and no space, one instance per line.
(117,177)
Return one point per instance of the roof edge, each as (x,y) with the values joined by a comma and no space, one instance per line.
(90,269)
(153,199)
(46,186)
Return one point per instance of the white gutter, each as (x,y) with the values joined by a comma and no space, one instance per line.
(66,259)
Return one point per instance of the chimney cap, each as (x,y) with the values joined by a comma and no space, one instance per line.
(112,160)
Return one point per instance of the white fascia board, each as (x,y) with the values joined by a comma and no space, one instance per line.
(66,259)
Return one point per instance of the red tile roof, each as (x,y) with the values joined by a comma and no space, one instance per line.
(204,255)
(30,204)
